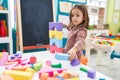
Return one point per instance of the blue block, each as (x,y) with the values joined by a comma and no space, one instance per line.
(58,43)
(101,78)
(61,56)
(115,55)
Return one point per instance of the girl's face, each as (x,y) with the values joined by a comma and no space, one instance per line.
(77,16)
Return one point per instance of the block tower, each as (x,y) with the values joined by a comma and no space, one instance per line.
(56,37)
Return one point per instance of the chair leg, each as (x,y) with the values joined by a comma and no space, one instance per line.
(99,56)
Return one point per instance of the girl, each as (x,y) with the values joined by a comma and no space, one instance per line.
(79,21)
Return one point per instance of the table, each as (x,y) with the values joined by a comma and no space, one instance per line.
(46,55)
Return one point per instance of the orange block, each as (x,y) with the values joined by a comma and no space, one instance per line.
(84,60)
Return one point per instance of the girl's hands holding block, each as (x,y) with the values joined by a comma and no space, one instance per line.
(72,53)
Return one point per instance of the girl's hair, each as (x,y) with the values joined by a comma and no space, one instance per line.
(82,8)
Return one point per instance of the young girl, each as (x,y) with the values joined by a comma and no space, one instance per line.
(79,21)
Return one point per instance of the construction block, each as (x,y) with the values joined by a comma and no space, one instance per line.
(50,71)
(37,66)
(59,50)
(33,59)
(62,56)
(75,62)
(65,75)
(19,75)
(58,35)
(17,55)
(55,25)
(54,49)
(56,42)
(59,65)
(3,58)
(115,55)
(48,62)
(51,33)
(44,76)
(91,74)
(11,66)
(83,69)
(83,60)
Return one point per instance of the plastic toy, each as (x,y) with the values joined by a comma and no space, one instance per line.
(3,58)
(91,74)
(75,62)
(62,56)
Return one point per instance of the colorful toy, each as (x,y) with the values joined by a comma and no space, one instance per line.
(62,56)
(50,71)
(19,75)
(83,60)
(59,65)
(75,62)
(3,58)
(91,74)
(37,66)
(32,59)
(55,35)
(115,55)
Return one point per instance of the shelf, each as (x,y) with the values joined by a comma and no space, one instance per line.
(5,40)
(4,11)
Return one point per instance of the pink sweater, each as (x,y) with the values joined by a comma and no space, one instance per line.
(76,37)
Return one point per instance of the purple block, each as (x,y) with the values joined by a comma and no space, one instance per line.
(75,62)
(57,25)
(91,74)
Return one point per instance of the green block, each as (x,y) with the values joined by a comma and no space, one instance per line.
(83,69)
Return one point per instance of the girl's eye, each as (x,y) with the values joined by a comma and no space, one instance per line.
(77,15)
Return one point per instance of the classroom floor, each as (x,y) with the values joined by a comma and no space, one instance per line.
(113,72)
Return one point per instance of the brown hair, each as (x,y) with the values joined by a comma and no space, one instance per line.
(83,8)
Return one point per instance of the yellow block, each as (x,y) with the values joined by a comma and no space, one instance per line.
(19,75)
(58,35)
(0,54)
(51,33)
(73,79)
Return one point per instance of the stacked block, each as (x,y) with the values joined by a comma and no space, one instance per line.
(55,36)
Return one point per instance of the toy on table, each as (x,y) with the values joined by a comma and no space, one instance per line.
(55,35)
(90,73)
(62,56)
(3,58)
(56,74)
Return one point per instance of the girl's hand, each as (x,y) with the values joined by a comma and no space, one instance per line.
(72,53)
